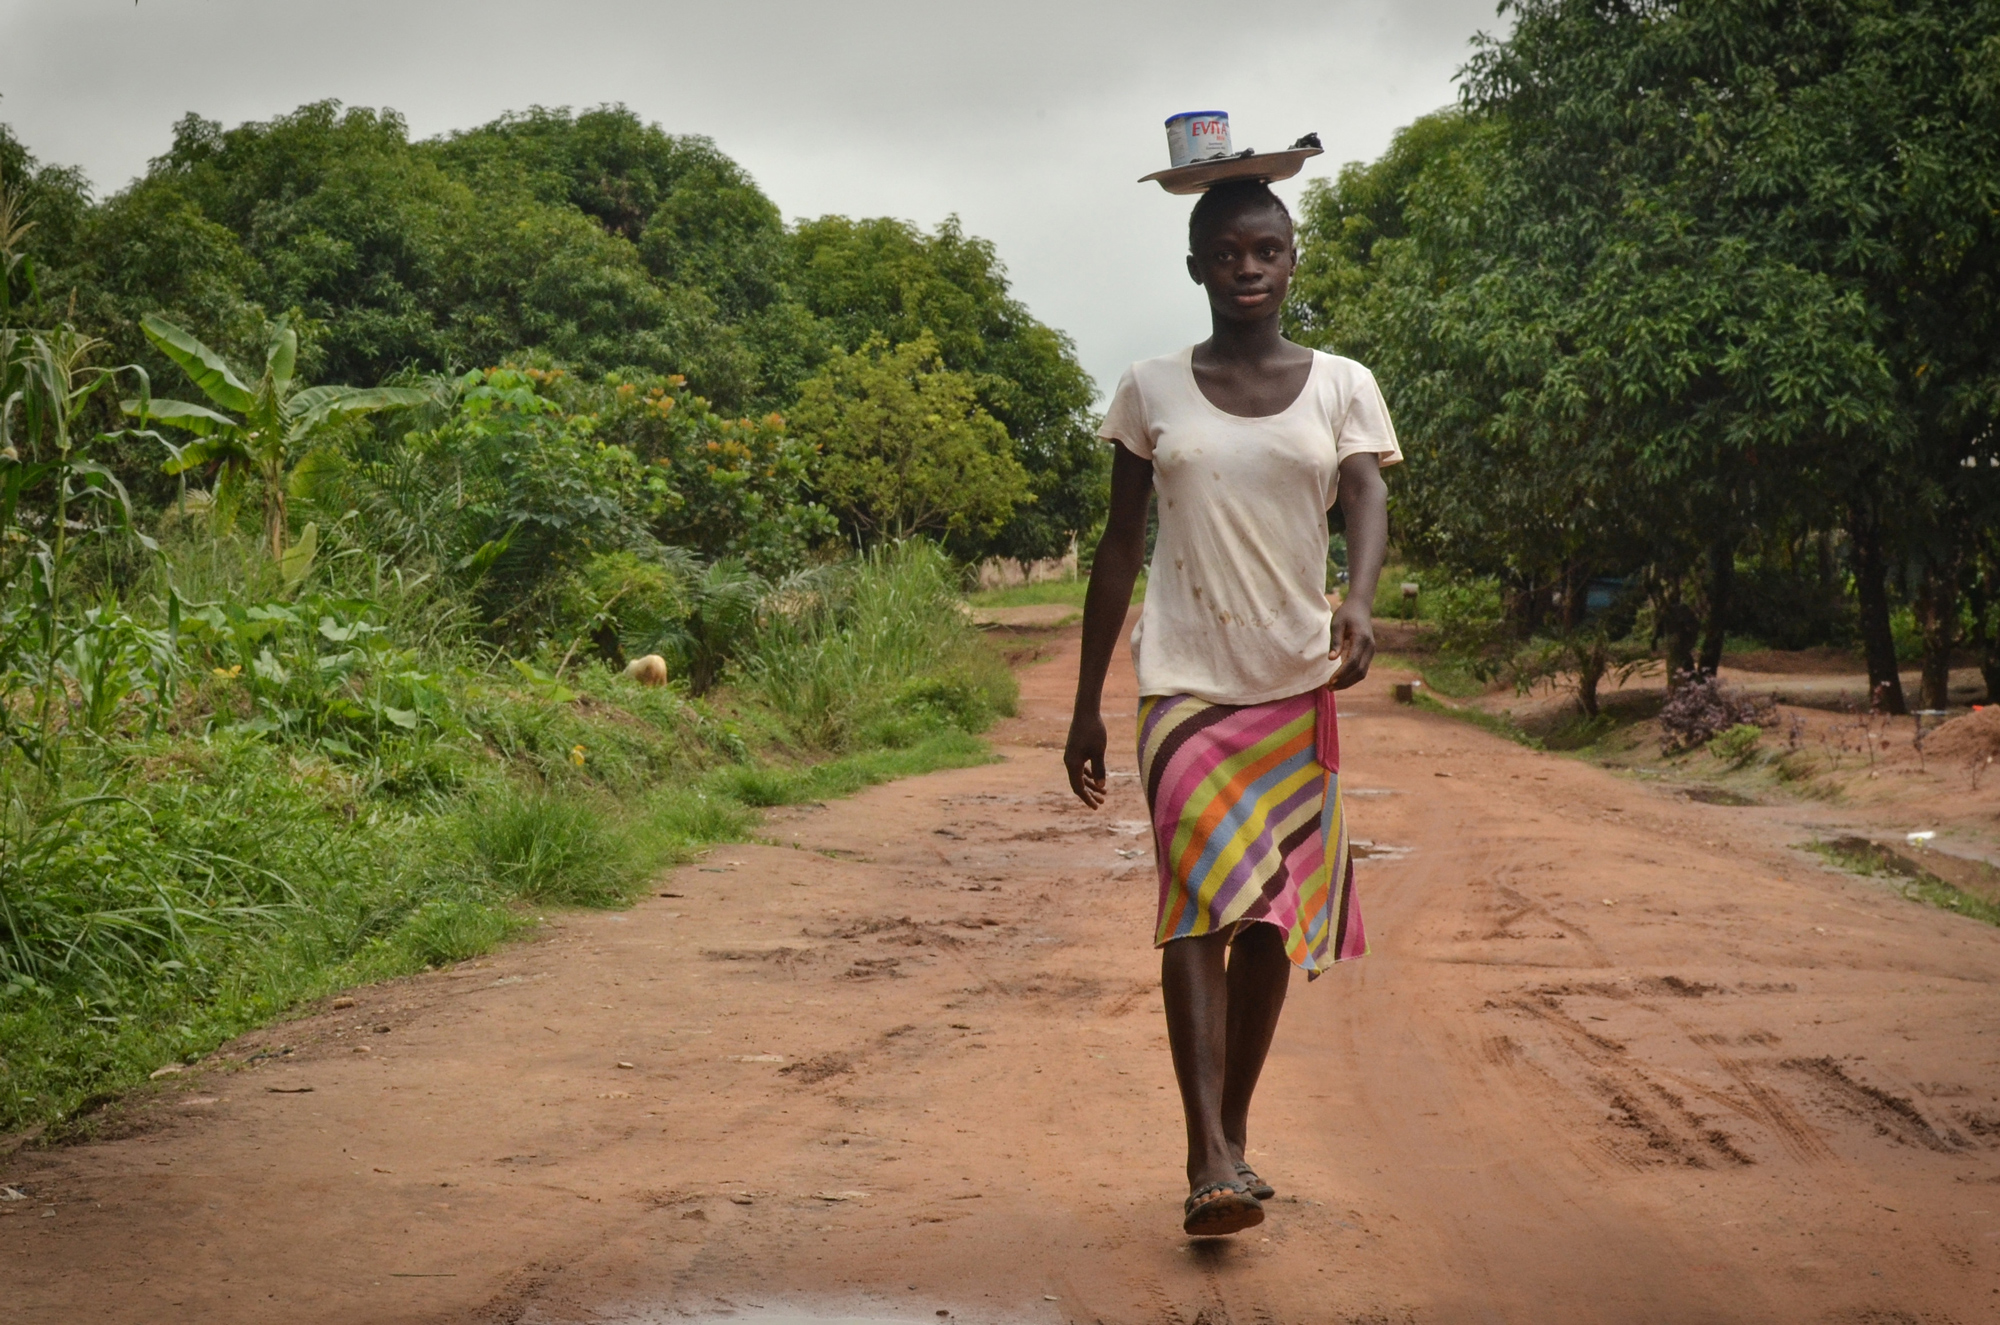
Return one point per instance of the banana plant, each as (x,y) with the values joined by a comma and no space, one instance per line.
(266,426)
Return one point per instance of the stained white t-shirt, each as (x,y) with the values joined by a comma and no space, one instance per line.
(1236,609)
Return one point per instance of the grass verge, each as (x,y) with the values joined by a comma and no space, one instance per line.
(1490,722)
(765,785)
(164,889)
(1450,678)
(1860,856)
(1048,591)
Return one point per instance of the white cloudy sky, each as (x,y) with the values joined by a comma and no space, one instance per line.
(1031,120)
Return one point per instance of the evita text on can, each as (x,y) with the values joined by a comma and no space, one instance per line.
(1197,135)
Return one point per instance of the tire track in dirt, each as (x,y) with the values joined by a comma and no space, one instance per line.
(1671,1131)
(1894,1116)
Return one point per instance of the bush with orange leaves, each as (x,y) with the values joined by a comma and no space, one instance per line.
(723,487)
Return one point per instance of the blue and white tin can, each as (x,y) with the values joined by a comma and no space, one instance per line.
(1197,135)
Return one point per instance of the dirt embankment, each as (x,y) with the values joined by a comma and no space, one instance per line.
(1616,1056)
(1843,769)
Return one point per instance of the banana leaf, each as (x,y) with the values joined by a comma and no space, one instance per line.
(225,447)
(316,404)
(203,365)
(281,359)
(197,419)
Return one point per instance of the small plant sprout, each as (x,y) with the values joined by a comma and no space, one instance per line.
(1736,746)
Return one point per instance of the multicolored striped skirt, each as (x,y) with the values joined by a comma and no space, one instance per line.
(1247,822)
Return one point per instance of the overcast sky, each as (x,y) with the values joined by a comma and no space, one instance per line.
(1030,120)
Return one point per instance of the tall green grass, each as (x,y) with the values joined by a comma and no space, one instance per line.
(170,883)
(877,652)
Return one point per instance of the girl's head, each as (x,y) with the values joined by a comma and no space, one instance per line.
(1241,249)
(1225,201)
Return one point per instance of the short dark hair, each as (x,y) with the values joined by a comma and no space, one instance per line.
(1228,198)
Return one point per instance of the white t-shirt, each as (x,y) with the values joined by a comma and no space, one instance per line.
(1236,609)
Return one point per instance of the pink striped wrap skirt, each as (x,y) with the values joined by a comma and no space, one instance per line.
(1247,822)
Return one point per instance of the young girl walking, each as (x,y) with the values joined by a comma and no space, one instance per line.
(1247,440)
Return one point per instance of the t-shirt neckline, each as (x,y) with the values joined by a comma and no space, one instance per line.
(1187,366)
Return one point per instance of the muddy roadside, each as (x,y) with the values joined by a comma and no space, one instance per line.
(1918,793)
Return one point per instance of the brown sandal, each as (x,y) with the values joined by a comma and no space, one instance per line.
(1219,1208)
(1257,1187)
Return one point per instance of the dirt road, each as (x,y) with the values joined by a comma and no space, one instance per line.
(1615,1057)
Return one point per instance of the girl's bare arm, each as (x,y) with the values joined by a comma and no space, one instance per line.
(1120,555)
(1364,501)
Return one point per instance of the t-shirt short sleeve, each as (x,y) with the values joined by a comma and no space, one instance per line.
(1125,422)
(1366,426)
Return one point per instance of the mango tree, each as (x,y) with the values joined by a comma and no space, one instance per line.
(904,446)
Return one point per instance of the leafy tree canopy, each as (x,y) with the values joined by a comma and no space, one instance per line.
(886,278)
(904,446)
(1675,277)
(591,239)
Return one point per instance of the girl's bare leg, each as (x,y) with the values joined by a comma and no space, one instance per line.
(1259,973)
(1221,1013)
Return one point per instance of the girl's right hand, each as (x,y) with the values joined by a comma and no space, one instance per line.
(1083,756)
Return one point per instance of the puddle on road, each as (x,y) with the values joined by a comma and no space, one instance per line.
(911,1315)
(755,1317)
(1716,796)
(1362,849)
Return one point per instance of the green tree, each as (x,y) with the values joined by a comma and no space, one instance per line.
(385,251)
(881,277)
(722,487)
(1411,265)
(1791,215)
(904,446)
(589,239)
(50,201)
(276,419)
(1622,296)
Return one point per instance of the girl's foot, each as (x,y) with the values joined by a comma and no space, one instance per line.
(1217,1208)
(1256,1186)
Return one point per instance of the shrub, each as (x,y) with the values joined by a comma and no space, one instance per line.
(1701,708)
(1467,619)
(451,929)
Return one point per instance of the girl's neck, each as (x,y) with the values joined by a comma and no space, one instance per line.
(1247,342)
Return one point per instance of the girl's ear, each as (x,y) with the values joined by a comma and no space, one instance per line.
(1194,272)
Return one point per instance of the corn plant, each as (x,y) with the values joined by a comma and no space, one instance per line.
(53,500)
(15,264)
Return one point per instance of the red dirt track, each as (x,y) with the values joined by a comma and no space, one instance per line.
(1615,1057)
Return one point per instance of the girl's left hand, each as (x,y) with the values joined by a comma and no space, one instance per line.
(1353,644)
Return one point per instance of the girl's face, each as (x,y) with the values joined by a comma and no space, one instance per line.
(1245,262)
